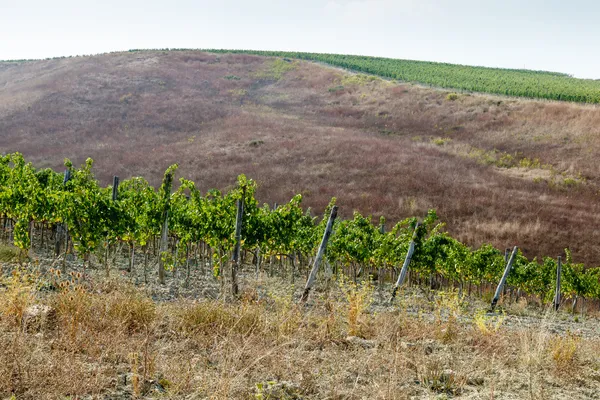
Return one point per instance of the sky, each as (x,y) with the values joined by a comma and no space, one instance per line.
(555,35)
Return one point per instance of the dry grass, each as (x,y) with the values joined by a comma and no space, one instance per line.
(110,340)
(8,253)
(305,128)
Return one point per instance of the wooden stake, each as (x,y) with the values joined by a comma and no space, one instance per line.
(115,188)
(313,273)
(257,256)
(504,277)
(557,293)
(131,257)
(409,254)
(506,255)
(235,260)
(61,227)
(146,263)
(381,268)
(164,238)
(64,261)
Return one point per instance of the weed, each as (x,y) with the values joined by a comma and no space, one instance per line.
(441,141)
(276,69)
(8,253)
(564,352)
(287,318)
(256,143)
(126,98)
(238,92)
(448,308)
(359,297)
(336,89)
(486,324)
(276,390)
(19,295)
(73,305)
(210,318)
(533,352)
(434,377)
(526,162)
(505,161)
(570,182)
(518,307)
(487,296)
(130,310)
(358,79)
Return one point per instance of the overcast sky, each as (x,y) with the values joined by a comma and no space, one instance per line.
(556,35)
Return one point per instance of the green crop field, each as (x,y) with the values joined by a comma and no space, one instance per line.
(510,82)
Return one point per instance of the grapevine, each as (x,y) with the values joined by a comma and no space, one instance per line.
(358,246)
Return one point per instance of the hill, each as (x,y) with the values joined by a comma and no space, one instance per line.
(497,169)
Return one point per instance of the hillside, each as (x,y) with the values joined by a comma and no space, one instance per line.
(497,169)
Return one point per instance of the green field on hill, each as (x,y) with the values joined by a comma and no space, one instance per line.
(509,82)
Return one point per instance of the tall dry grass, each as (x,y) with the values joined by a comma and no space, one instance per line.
(110,340)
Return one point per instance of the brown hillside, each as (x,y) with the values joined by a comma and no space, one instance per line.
(382,148)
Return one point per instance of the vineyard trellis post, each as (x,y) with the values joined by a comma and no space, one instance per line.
(59,227)
(403,271)
(504,277)
(235,261)
(115,188)
(257,260)
(380,271)
(164,240)
(313,273)
(506,256)
(115,191)
(63,229)
(557,293)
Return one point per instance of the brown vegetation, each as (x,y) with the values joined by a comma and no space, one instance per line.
(381,147)
(108,339)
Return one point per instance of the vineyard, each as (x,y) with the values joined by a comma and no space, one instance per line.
(509,82)
(179,227)
(157,286)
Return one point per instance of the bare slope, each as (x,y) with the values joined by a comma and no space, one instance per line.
(381,147)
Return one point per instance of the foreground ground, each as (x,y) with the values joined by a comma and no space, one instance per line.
(94,337)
